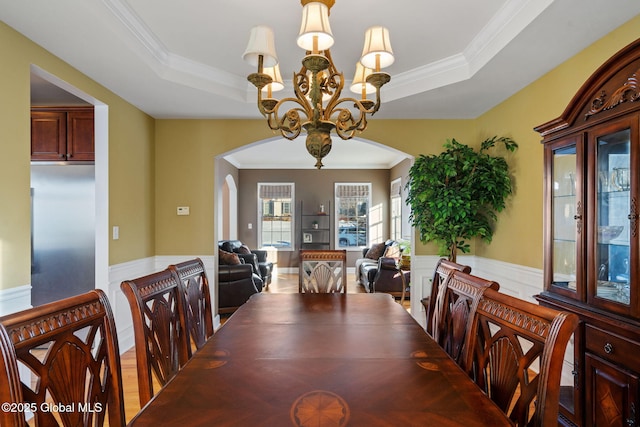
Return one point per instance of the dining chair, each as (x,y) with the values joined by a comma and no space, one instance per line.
(515,354)
(71,351)
(455,304)
(157,310)
(323,271)
(10,386)
(194,284)
(443,268)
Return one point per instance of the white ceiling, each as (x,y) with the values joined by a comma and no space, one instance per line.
(182,59)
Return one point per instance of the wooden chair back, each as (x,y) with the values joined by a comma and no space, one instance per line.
(10,386)
(323,271)
(440,273)
(157,310)
(71,349)
(455,304)
(195,287)
(515,354)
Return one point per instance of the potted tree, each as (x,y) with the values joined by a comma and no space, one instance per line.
(456,195)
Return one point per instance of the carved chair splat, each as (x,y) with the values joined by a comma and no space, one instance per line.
(508,336)
(157,310)
(323,271)
(71,348)
(195,288)
(455,304)
(440,273)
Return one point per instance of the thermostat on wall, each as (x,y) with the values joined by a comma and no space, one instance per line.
(183,210)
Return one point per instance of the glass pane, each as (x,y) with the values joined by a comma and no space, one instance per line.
(565,230)
(612,211)
(352,207)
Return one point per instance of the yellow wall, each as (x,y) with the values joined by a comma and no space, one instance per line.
(131,135)
(185,155)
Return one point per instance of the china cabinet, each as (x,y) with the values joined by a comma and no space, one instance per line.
(591,242)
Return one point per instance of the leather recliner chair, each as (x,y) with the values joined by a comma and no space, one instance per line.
(257,258)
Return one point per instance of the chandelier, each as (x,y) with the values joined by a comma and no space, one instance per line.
(317,107)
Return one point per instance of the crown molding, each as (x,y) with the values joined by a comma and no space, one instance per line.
(505,25)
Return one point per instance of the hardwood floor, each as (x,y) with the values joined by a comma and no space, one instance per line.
(281,283)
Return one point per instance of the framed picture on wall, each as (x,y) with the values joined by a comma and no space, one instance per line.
(307,238)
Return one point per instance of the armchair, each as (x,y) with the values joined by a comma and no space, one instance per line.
(391,279)
(367,266)
(255,257)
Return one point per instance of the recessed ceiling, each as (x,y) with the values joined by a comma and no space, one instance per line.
(182,59)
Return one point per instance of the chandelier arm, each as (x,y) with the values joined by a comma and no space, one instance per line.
(345,116)
(290,124)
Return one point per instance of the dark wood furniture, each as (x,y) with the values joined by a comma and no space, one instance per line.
(10,388)
(323,271)
(71,350)
(157,311)
(456,303)
(515,351)
(339,359)
(195,288)
(440,273)
(591,244)
(62,133)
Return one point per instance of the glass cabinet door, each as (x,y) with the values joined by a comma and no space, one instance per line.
(564,271)
(567,220)
(614,220)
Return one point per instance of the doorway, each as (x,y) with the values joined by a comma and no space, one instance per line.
(69,231)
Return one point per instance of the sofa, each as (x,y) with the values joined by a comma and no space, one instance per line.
(255,257)
(366,268)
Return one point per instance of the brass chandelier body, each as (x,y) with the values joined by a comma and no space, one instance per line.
(317,107)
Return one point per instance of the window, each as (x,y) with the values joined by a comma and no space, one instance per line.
(275,213)
(396,209)
(352,214)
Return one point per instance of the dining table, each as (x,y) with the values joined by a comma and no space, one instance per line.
(320,360)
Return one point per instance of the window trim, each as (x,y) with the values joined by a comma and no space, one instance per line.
(395,195)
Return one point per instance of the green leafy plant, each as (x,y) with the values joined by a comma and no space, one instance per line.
(456,195)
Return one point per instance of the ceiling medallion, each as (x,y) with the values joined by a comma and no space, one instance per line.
(317,107)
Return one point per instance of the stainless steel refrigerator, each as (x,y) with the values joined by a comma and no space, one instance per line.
(62,230)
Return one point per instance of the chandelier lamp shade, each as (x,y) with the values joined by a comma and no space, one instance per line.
(317,107)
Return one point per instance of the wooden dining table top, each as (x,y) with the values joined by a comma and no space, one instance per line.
(321,360)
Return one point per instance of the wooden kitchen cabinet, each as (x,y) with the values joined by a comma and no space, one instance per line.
(62,134)
(592,242)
